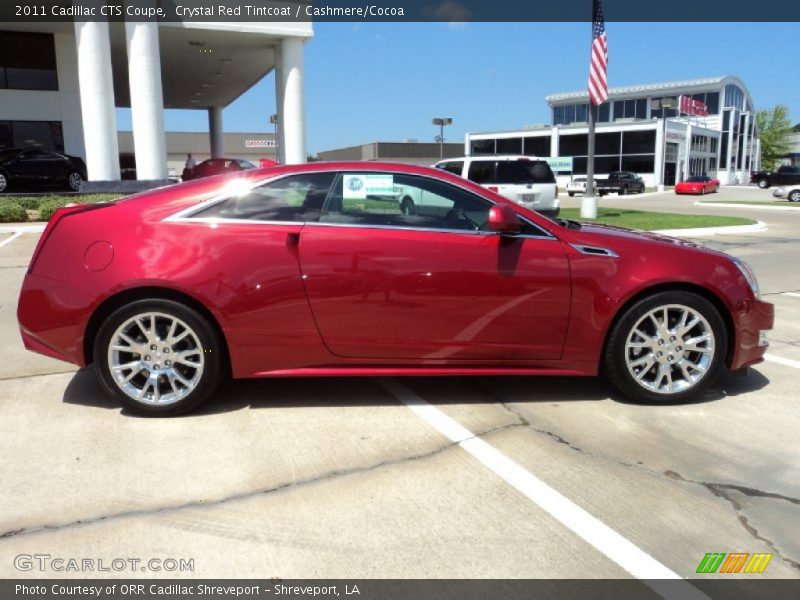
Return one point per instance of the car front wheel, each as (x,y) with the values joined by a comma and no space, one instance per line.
(763,184)
(666,348)
(158,357)
(794,196)
(3,182)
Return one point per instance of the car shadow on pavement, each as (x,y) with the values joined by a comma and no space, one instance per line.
(83,389)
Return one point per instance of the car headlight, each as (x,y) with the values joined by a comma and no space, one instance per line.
(747,272)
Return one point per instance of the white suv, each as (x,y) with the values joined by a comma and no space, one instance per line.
(526,180)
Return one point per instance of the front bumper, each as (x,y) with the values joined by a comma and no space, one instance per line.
(752,320)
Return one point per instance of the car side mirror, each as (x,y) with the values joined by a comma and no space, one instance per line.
(503,219)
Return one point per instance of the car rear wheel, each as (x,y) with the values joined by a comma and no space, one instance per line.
(3,182)
(158,357)
(763,184)
(570,194)
(666,348)
(74,181)
(794,196)
(408,207)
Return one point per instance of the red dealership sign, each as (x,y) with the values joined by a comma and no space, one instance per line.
(690,106)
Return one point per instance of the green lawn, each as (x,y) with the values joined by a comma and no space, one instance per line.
(648,221)
(758,202)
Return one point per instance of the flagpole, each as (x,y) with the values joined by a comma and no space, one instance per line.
(589,202)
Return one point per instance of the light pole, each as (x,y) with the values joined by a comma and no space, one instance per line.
(441,122)
(274,120)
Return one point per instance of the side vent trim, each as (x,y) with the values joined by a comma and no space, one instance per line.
(595,251)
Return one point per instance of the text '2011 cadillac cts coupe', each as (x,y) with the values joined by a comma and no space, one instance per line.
(314,270)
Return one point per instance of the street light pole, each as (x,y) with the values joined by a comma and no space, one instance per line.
(441,122)
(274,120)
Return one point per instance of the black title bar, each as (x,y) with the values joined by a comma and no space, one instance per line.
(31,11)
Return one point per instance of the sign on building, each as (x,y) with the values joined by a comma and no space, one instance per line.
(259,143)
(560,163)
(690,106)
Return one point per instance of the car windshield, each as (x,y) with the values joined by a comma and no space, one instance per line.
(696,179)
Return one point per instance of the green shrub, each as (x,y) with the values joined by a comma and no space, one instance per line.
(50,205)
(28,202)
(12,212)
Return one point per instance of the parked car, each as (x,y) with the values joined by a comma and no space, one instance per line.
(306,270)
(620,182)
(785,175)
(791,193)
(697,184)
(577,185)
(217,166)
(526,180)
(31,168)
(263,163)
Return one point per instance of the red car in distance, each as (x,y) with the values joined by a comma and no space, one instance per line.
(314,270)
(217,166)
(698,184)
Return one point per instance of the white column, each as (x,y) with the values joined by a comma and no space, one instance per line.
(687,160)
(658,171)
(744,176)
(281,157)
(147,101)
(96,86)
(554,141)
(292,136)
(215,132)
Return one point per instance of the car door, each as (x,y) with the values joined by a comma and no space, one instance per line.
(385,285)
(27,167)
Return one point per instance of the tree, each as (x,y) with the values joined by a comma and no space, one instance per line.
(774,128)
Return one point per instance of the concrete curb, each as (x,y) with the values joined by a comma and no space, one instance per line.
(756,227)
(22,227)
(750,206)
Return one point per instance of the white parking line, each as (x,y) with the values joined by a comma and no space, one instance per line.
(793,294)
(11,239)
(786,362)
(613,545)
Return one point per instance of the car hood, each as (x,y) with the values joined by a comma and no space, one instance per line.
(596,233)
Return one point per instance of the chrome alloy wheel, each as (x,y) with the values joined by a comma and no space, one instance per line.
(670,349)
(155,358)
(3,182)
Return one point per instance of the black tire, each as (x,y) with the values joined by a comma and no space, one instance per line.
(763,183)
(615,363)
(3,182)
(210,345)
(794,196)
(408,207)
(624,191)
(74,181)
(570,194)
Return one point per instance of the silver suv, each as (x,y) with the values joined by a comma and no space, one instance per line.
(526,180)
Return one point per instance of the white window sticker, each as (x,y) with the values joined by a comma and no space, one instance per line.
(358,187)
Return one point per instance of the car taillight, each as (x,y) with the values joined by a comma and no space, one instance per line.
(492,188)
(57,217)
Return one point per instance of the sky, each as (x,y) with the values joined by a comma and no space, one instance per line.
(368,82)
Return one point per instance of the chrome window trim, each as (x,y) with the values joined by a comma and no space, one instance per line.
(184,216)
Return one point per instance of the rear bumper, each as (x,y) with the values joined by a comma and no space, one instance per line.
(52,318)
(751,320)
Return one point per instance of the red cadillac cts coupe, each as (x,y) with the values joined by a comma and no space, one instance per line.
(314,270)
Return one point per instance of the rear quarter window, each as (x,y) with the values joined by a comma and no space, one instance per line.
(481,171)
(524,172)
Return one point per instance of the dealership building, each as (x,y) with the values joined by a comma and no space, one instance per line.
(61,82)
(640,128)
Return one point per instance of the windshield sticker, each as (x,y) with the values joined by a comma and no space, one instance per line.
(358,187)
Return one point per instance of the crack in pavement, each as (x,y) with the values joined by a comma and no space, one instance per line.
(720,490)
(285,486)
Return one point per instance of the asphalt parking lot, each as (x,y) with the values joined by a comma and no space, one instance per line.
(414,478)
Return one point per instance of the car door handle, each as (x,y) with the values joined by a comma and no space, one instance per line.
(292,240)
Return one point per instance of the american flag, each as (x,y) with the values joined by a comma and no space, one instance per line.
(598,63)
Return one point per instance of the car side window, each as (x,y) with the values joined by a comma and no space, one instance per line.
(403,201)
(297,198)
(481,171)
(455,167)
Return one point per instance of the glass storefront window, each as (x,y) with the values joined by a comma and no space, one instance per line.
(27,61)
(537,146)
(509,146)
(482,147)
